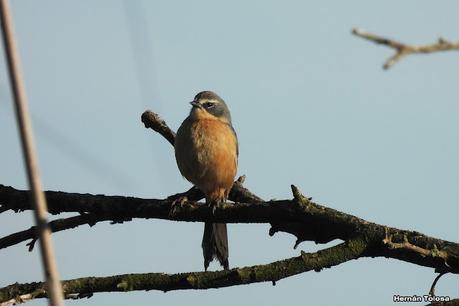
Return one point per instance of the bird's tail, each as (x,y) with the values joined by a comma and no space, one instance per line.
(215,244)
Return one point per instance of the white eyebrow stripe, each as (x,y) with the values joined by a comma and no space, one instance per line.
(209,100)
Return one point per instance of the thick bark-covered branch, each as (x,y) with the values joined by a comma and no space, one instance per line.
(238,192)
(402,50)
(84,287)
(300,216)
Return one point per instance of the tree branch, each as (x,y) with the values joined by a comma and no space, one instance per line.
(238,192)
(272,272)
(55,226)
(153,121)
(402,50)
(300,216)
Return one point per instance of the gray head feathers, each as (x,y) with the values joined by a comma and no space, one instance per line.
(213,104)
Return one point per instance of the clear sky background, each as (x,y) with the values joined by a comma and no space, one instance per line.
(311,105)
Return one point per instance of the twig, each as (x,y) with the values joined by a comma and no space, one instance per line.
(402,50)
(432,288)
(154,121)
(405,244)
(55,226)
(202,280)
(24,297)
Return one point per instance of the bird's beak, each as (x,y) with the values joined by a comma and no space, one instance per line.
(195,104)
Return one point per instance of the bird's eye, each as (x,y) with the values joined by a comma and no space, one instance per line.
(208,105)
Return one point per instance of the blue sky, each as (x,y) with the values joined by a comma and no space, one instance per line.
(311,105)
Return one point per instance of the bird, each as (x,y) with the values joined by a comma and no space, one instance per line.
(207,151)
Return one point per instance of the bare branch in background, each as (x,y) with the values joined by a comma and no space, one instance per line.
(402,50)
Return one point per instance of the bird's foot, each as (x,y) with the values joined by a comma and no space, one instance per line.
(193,194)
(177,204)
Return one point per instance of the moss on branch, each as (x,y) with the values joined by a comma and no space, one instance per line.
(271,272)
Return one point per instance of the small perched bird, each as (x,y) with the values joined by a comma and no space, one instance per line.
(206,150)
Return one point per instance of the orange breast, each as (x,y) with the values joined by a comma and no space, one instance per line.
(206,153)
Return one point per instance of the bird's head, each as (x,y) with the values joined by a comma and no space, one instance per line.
(208,104)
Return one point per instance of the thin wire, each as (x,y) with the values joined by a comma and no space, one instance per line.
(141,44)
(80,155)
(40,210)
(140,39)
